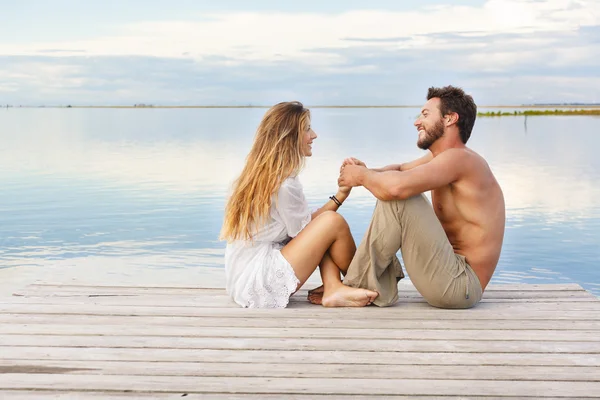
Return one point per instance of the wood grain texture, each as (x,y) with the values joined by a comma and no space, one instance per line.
(70,341)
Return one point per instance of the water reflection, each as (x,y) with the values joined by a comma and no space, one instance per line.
(147,187)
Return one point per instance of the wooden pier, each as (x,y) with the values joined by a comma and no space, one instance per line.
(123,342)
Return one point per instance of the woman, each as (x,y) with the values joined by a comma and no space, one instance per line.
(274,242)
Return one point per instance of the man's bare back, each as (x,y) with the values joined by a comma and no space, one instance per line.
(471,211)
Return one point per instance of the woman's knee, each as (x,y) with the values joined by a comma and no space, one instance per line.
(333,219)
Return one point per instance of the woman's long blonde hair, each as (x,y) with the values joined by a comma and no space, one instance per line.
(277,153)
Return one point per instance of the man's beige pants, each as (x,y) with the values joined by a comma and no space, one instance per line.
(442,277)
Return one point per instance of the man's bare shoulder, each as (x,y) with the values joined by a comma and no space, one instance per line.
(470,167)
(477,171)
(460,158)
(480,161)
(463,155)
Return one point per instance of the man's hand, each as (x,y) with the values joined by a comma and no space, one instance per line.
(351,175)
(352,161)
(349,161)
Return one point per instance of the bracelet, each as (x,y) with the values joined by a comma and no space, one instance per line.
(335,200)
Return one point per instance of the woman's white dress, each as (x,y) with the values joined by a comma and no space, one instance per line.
(257,275)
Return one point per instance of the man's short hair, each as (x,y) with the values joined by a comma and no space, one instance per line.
(454,99)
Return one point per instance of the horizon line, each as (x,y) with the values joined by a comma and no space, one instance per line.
(540,105)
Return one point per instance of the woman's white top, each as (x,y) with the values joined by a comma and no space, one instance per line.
(257,274)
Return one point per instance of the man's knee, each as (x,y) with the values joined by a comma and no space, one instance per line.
(418,200)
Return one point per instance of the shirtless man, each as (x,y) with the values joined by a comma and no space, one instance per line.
(450,250)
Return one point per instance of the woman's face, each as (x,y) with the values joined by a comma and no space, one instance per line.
(309,136)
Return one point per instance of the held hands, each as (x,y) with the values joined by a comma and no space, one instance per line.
(347,161)
(350,172)
(352,161)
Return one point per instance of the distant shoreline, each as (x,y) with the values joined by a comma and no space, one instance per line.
(529,112)
(570,107)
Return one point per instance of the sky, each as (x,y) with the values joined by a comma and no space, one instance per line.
(260,52)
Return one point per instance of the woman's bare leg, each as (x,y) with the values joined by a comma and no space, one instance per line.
(327,241)
(333,293)
(329,232)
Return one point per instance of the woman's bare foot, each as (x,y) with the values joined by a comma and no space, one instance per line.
(316,290)
(315,298)
(315,295)
(345,296)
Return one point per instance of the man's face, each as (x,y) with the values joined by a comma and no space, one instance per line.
(429,124)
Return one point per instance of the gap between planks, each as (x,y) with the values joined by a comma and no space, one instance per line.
(337,386)
(278,370)
(160,322)
(359,358)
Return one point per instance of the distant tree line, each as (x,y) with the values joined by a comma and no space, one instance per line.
(539,112)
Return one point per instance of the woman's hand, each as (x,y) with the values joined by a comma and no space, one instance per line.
(346,189)
(349,161)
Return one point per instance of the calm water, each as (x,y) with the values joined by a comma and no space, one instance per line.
(146,187)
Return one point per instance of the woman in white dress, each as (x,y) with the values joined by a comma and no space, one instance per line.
(274,243)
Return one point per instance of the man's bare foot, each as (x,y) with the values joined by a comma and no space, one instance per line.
(316,290)
(345,296)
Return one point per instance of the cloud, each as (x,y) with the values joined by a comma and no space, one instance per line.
(60,51)
(352,57)
(252,36)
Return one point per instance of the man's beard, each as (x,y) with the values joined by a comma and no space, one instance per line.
(431,135)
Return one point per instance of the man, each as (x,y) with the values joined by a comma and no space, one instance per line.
(450,250)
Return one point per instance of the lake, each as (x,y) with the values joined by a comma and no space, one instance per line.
(145,188)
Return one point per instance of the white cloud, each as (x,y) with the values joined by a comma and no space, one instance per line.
(353,57)
(252,36)
(46,75)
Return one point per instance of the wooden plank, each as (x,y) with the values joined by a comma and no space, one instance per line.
(298,357)
(517,343)
(320,332)
(222,301)
(406,290)
(306,344)
(399,312)
(85,395)
(95,395)
(406,387)
(489,294)
(160,322)
(490,287)
(442,372)
(574,304)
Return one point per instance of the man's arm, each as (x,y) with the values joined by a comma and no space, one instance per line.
(406,166)
(397,185)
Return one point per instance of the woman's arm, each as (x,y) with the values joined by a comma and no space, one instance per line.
(292,206)
(341,195)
